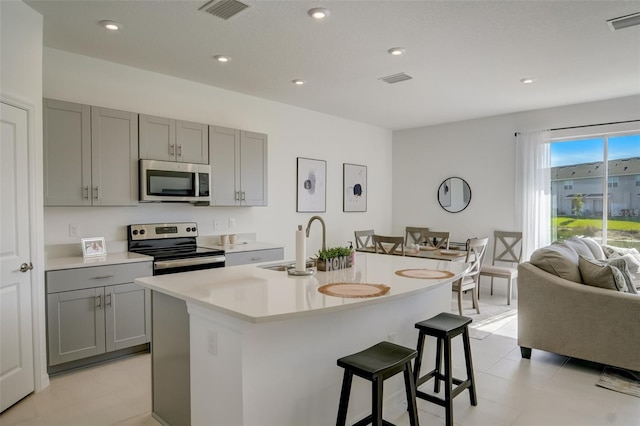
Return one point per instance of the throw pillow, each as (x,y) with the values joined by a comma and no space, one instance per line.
(580,247)
(602,274)
(630,255)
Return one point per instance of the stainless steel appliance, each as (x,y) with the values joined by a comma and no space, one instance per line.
(172,181)
(173,247)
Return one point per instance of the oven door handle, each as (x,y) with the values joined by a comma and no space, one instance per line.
(188,262)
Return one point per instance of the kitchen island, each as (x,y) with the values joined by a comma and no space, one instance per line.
(263,345)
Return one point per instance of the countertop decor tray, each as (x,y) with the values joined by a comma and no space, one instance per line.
(354,289)
(430,274)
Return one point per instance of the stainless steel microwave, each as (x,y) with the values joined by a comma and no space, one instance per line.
(172,181)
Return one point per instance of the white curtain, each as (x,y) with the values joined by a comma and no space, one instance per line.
(533,189)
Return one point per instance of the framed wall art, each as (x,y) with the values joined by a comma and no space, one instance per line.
(354,188)
(311,181)
(93,247)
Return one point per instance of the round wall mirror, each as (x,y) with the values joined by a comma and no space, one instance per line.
(454,194)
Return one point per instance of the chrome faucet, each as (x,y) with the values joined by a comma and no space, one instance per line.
(324,231)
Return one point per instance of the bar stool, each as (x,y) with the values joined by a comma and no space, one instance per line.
(377,363)
(444,327)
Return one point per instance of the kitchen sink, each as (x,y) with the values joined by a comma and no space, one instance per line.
(283,267)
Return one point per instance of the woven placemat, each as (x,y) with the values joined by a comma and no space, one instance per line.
(430,274)
(354,289)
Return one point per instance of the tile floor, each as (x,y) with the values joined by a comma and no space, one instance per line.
(547,390)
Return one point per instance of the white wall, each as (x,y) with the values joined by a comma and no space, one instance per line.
(482,152)
(21,84)
(293,132)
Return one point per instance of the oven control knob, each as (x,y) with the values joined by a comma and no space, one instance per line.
(188,229)
(193,229)
(142,232)
(135,232)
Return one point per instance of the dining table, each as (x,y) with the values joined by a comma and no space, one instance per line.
(426,253)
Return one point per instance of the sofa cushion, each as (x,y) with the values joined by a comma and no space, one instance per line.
(580,246)
(595,247)
(604,274)
(558,259)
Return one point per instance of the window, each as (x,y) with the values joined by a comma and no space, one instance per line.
(581,203)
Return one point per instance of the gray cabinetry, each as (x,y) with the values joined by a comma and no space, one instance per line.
(254,256)
(238,161)
(94,310)
(90,155)
(167,139)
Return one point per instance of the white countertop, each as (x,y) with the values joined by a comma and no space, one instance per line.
(258,295)
(243,246)
(58,263)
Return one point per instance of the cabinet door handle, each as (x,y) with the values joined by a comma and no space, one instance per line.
(100,277)
(107,300)
(171,149)
(242,198)
(85,192)
(96,192)
(179,150)
(99,298)
(236,195)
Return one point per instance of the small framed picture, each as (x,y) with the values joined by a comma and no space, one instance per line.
(355,188)
(311,185)
(93,247)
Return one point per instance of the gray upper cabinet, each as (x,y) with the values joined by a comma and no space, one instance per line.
(167,139)
(238,161)
(90,155)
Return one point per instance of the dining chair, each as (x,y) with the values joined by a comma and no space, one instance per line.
(436,240)
(363,238)
(476,249)
(413,234)
(394,245)
(507,248)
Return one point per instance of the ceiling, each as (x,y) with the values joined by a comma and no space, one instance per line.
(466,57)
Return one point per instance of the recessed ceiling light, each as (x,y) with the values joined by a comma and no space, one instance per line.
(527,80)
(222,58)
(318,12)
(298,82)
(396,51)
(111,25)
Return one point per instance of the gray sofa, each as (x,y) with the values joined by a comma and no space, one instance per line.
(558,313)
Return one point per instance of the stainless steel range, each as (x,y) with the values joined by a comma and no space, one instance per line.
(173,247)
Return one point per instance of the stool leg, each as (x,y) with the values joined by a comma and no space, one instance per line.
(469,364)
(410,388)
(418,362)
(448,386)
(344,398)
(438,376)
(376,401)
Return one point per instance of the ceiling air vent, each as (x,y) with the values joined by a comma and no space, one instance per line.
(624,22)
(224,9)
(396,78)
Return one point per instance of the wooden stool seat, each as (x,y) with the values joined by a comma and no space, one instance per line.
(376,364)
(444,327)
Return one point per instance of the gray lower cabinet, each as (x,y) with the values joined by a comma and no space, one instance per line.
(254,256)
(95,310)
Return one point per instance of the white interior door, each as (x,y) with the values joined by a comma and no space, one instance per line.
(16,345)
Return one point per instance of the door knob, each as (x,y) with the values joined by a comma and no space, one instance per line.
(26,267)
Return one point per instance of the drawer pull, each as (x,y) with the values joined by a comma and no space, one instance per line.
(101,277)
(255,259)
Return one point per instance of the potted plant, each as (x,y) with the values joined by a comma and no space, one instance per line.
(334,258)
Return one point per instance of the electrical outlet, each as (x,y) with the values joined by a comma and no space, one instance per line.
(212,342)
(216,225)
(232,223)
(73,230)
